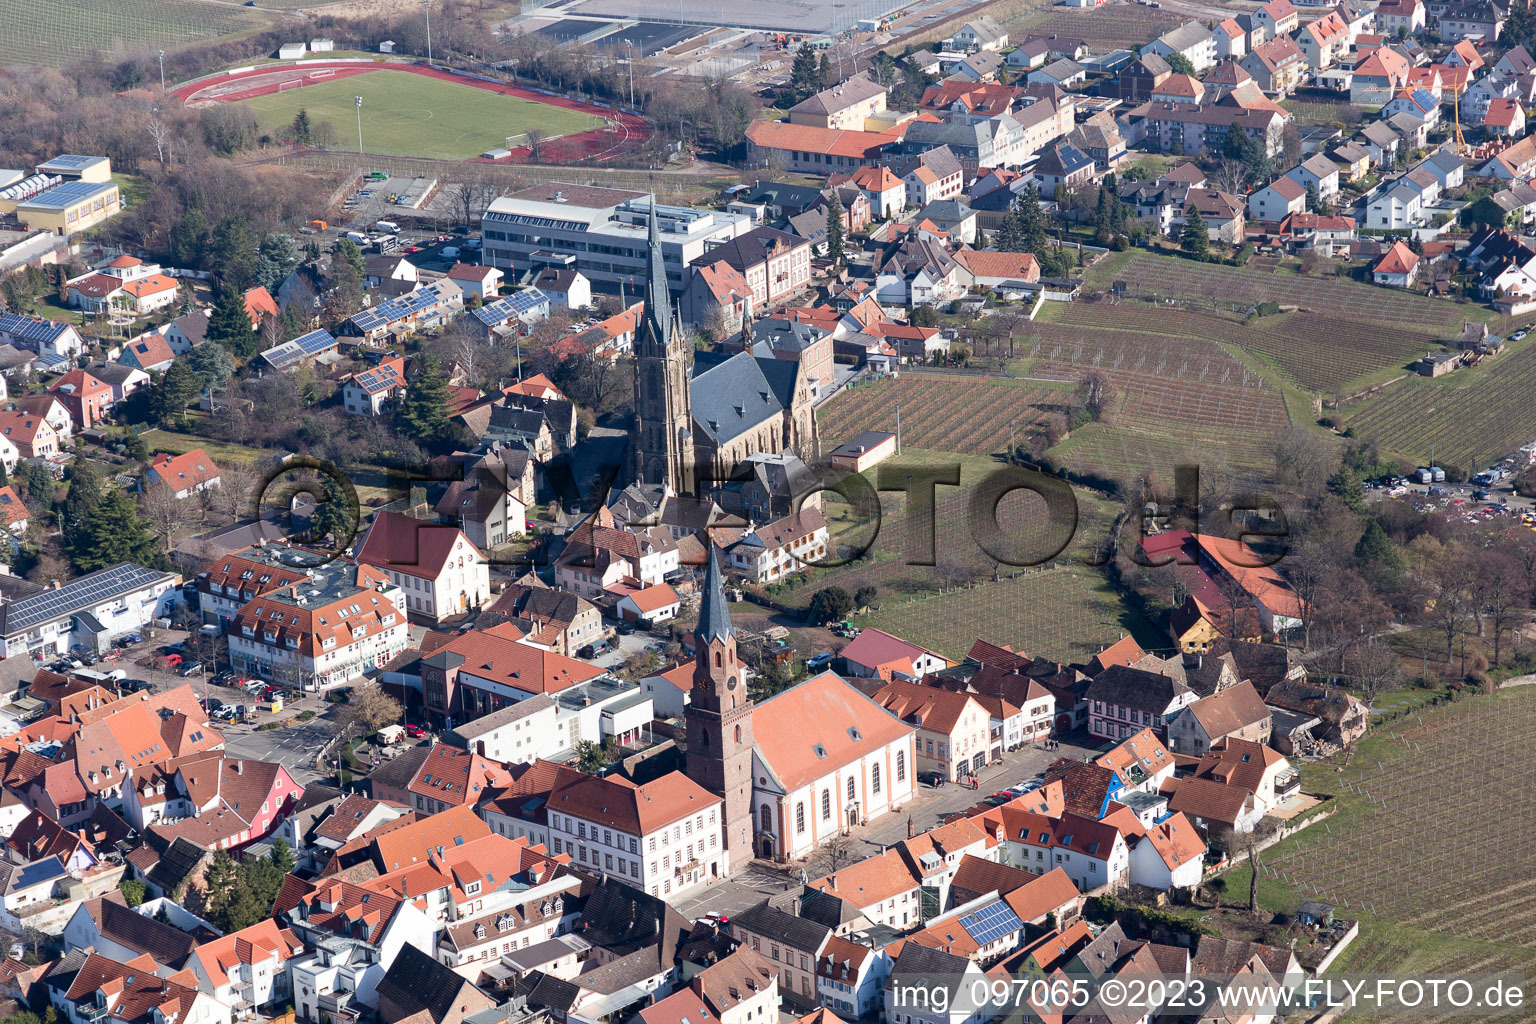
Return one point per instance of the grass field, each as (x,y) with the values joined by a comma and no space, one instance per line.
(1066,614)
(1428,807)
(411,115)
(59,32)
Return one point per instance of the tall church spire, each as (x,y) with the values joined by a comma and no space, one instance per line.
(658,296)
(714,615)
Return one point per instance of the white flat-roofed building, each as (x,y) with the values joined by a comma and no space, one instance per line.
(604,228)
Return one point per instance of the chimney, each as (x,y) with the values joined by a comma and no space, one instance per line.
(238,767)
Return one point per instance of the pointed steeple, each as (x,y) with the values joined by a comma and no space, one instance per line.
(658,297)
(714,614)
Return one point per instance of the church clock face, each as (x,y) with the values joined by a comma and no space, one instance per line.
(730,682)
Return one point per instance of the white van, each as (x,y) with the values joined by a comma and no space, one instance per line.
(387,225)
(358,237)
(450,252)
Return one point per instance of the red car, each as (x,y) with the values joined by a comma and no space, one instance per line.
(170,660)
(415,732)
(413,248)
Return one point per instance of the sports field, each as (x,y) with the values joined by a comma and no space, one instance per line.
(408,114)
(58,32)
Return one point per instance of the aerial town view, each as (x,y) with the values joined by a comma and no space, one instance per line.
(773,512)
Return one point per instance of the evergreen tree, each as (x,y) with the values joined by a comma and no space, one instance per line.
(189,239)
(177,389)
(233,253)
(279,255)
(1116,207)
(803,75)
(347,252)
(37,484)
(423,412)
(112,533)
(1313,200)
(212,364)
(1032,223)
(220,882)
(230,325)
(188,301)
(303,131)
(84,494)
(336,516)
(835,228)
(1181,64)
(1196,240)
(1347,487)
(1010,235)
(1375,552)
(293,322)
(282,856)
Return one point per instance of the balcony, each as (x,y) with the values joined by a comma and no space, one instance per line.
(94,1014)
(1287,784)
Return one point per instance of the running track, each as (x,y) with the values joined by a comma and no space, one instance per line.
(598,145)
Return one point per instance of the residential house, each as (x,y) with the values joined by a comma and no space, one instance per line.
(813,150)
(86,396)
(1191,40)
(981,66)
(1276,18)
(763,554)
(876,654)
(125,285)
(1179,88)
(32,436)
(1237,712)
(983,33)
(1277,200)
(1479,20)
(374,391)
(1319,172)
(183,475)
(1063,74)
(1400,18)
(247,969)
(440,572)
(559,621)
(1186,129)
(1378,78)
(1064,166)
(953,729)
(776,264)
(931,175)
(1221,211)
(477,282)
(1324,41)
(1505,117)
(42,336)
(1276,66)
(1124,699)
(1140,78)
(991,270)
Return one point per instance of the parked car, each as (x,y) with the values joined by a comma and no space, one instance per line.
(190,668)
(597,648)
(168,661)
(817,662)
(415,731)
(934,779)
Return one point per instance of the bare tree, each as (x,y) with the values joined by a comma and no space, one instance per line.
(235,495)
(373,709)
(1502,592)
(1450,586)
(160,134)
(471,197)
(165,512)
(535,138)
(1375,668)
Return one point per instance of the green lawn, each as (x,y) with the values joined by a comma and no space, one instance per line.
(407,114)
(58,32)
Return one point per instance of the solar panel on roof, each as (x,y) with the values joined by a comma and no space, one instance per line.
(81,594)
(991,923)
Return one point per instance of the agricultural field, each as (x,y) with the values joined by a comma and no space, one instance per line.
(954,413)
(1156,277)
(1104,28)
(1128,451)
(1181,378)
(413,115)
(1433,898)
(1067,614)
(1322,111)
(901,541)
(1469,417)
(58,32)
(1327,353)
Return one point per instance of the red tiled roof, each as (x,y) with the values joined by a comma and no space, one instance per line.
(803,138)
(180,472)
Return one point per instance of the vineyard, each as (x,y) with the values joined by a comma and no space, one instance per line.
(1127,452)
(1469,417)
(1325,352)
(58,32)
(1022,518)
(1431,846)
(1066,614)
(1184,380)
(975,415)
(1102,29)
(1151,276)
